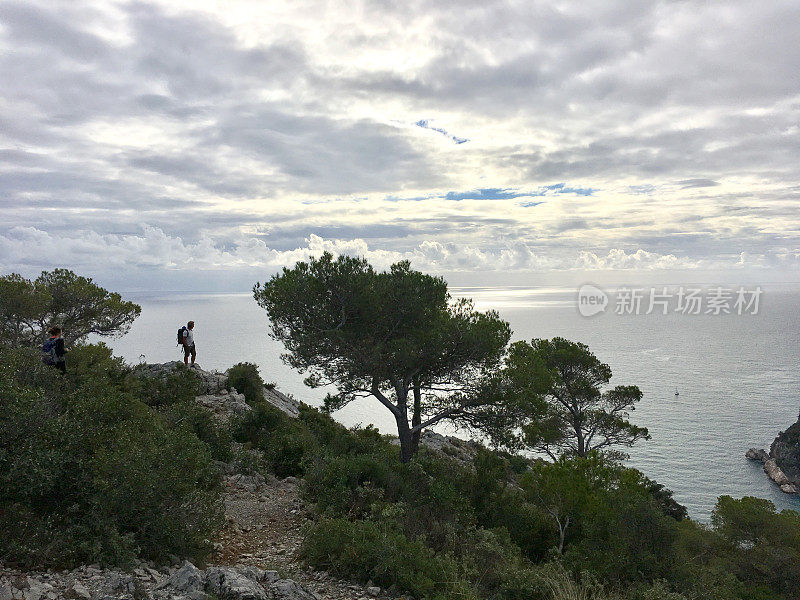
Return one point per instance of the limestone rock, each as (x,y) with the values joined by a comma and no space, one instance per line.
(229,584)
(36,590)
(210,382)
(774,471)
(187,579)
(287,589)
(224,404)
(463,451)
(77,592)
(283,402)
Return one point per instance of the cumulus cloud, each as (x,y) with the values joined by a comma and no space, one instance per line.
(29,250)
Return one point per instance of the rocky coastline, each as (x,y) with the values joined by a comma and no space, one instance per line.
(782,462)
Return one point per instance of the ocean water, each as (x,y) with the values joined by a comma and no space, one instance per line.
(737,374)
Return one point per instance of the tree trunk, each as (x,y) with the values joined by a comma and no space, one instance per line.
(416,418)
(562,534)
(403,428)
(407,449)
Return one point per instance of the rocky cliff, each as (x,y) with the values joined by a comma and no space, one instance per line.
(786,452)
(782,462)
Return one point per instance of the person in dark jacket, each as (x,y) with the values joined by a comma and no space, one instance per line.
(53,351)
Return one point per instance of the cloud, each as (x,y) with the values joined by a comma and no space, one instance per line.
(665,131)
(697,183)
(29,250)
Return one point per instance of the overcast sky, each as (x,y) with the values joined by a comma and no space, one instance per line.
(212,141)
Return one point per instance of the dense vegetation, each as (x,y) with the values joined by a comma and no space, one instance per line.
(104,464)
(100,465)
(502,526)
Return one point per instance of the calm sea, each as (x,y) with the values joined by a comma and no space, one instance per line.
(737,375)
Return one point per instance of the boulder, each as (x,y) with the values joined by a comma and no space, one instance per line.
(227,583)
(757,454)
(287,589)
(77,591)
(36,590)
(187,578)
(224,404)
(7,592)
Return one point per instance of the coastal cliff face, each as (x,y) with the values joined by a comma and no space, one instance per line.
(782,463)
(786,452)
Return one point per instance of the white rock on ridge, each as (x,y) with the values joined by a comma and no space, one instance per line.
(225,403)
(282,402)
(210,382)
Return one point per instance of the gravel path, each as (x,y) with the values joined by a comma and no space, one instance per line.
(264,524)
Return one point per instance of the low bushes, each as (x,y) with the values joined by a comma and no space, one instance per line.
(245,379)
(90,473)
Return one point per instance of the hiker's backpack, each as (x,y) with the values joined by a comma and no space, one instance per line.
(49,352)
(180,335)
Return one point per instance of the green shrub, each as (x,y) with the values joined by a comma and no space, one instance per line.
(288,449)
(179,387)
(263,420)
(365,550)
(204,426)
(90,473)
(245,379)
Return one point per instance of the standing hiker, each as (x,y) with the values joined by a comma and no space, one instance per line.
(187,338)
(53,351)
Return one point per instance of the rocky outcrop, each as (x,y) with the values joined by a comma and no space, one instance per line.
(186,582)
(786,452)
(782,463)
(285,403)
(211,382)
(756,454)
(215,394)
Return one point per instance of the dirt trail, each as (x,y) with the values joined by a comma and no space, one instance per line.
(263,529)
